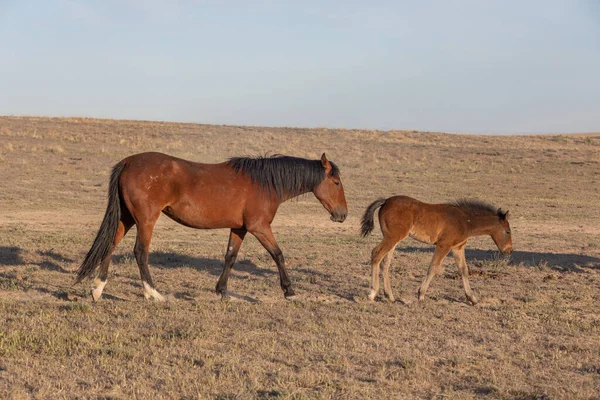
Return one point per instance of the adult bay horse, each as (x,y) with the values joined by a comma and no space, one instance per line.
(447,226)
(242,194)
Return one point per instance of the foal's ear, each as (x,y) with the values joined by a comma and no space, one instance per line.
(325,163)
(502,214)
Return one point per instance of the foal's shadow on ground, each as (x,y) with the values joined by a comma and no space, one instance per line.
(557,261)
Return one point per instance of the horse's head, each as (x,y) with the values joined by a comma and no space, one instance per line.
(501,233)
(330,192)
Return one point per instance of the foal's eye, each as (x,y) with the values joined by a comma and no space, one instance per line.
(508,232)
(336,183)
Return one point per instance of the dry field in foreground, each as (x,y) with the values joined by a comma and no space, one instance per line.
(535,334)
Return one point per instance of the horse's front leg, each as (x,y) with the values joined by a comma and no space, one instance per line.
(236,237)
(265,236)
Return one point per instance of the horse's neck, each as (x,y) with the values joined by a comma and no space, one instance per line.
(481,225)
(287,197)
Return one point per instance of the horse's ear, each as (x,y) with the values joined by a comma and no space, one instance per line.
(325,163)
(506,214)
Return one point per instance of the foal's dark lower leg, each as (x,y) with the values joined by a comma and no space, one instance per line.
(236,236)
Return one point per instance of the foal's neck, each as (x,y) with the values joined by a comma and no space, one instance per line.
(481,225)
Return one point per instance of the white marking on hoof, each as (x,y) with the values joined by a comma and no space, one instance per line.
(473,300)
(372,295)
(98,288)
(151,293)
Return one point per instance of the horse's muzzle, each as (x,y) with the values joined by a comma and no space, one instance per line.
(507,252)
(337,216)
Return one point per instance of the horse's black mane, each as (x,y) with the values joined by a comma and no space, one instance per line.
(284,175)
(475,207)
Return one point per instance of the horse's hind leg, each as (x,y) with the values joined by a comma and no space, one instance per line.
(141,250)
(124,225)
(441,251)
(461,263)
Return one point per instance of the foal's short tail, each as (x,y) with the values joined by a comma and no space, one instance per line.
(367,219)
(108,229)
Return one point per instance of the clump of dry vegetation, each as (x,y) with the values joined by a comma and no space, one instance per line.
(534,335)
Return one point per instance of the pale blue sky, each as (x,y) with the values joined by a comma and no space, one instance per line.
(481,66)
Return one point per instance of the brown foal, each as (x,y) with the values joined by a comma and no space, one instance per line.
(242,194)
(447,226)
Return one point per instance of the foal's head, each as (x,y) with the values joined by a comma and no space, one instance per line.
(501,233)
(330,191)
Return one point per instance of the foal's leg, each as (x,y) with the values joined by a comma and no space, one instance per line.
(141,250)
(441,251)
(100,281)
(386,246)
(461,263)
(387,287)
(236,236)
(266,238)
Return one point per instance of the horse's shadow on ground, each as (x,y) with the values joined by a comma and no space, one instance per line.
(12,256)
(557,261)
(170,260)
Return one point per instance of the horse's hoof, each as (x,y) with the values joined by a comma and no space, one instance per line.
(372,295)
(225,296)
(292,297)
(97,290)
(473,301)
(152,294)
(390,299)
(96,296)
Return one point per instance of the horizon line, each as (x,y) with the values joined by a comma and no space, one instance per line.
(298,127)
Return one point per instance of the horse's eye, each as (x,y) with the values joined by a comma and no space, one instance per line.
(508,232)
(336,183)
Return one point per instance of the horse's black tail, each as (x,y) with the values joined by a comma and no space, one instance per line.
(367,223)
(108,229)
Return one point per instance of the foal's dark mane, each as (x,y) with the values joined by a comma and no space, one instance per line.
(286,176)
(475,207)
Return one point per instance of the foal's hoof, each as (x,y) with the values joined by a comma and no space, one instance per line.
(473,300)
(390,299)
(372,295)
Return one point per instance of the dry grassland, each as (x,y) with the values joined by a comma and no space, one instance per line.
(535,335)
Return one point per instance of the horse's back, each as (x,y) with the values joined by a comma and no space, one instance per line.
(194,194)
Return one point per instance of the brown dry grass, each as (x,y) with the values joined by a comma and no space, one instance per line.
(534,336)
